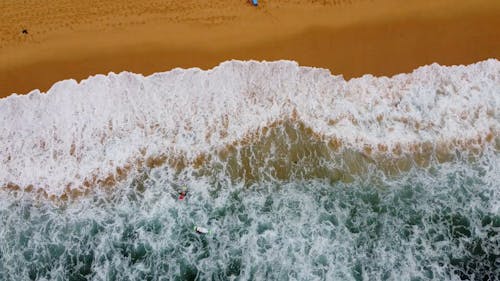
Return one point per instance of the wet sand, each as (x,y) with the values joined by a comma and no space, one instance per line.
(351,37)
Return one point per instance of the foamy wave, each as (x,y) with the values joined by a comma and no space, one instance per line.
(105,124)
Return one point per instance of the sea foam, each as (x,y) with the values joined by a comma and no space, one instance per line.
(79,131)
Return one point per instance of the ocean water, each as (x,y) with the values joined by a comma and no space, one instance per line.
(298,175)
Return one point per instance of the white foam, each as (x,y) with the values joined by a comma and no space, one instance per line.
(80,129)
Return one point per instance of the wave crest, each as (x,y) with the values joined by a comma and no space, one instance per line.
(97,131)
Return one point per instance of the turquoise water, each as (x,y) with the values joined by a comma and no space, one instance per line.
(439,223)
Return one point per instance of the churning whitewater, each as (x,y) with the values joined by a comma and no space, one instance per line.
(298,175)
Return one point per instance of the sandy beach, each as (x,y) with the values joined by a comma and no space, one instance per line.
(64,39)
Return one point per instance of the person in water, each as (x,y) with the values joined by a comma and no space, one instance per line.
(182,195)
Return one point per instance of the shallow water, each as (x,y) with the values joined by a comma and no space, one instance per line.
(298,174)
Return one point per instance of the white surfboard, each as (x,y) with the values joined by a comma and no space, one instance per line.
(201,230)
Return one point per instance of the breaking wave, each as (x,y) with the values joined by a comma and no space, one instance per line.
(246,120)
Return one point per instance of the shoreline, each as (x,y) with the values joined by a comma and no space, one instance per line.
(351,40)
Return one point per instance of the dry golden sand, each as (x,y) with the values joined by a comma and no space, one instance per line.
(75,39)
